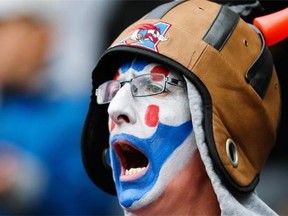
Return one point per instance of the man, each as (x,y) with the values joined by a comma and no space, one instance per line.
(193,104)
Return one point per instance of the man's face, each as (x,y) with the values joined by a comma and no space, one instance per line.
(150,136)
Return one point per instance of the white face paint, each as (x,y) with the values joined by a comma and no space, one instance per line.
(150,137)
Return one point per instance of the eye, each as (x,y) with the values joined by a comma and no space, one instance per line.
(112,89)
(114,92)
(153,88)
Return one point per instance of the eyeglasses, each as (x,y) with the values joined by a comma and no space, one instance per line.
(141,86)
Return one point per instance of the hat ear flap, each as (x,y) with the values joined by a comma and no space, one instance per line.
(95,149)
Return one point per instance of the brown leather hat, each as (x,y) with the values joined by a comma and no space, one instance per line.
(228,62)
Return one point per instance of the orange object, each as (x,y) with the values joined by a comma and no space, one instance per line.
(274,26)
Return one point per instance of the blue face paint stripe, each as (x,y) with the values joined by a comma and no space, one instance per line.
(125,67)
(158,148)
(137,65)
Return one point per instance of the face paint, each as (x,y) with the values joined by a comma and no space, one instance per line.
(112,125)
(152,116)
(150,135)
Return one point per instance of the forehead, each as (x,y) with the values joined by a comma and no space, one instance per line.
(139,66)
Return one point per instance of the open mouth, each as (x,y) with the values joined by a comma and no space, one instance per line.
(133,162)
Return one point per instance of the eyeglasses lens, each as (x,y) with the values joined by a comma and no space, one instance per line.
(107,91)
(148,84)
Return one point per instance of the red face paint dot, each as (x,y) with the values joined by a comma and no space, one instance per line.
(152,115)
(116,75)
(112,126)
(160,69)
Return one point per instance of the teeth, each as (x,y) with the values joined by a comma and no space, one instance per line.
(132,171)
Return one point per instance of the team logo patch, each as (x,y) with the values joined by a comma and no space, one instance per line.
(148,36)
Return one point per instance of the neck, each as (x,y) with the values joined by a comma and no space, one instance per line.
(189,193)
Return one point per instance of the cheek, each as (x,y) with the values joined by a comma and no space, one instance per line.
(152,115)
(112,125)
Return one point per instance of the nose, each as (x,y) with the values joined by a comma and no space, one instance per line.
(121,108)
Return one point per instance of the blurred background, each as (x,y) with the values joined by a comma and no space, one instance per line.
(48,50)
